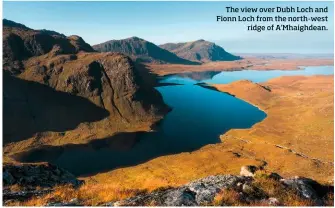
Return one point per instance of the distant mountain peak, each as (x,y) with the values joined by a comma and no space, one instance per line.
(200,50)
(135,38)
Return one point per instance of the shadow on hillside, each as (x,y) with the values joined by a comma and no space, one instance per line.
(102,155)
(30,107)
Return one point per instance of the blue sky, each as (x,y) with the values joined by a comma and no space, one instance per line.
(161,22)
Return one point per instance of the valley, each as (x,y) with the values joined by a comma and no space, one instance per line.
(132,116)
(257,145)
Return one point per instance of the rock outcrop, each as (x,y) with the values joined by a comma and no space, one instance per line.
(52,83)
(220,190)
(34,180)
(199,192)
(200,50)
(306,187)
(204,192)
(21,43)
(141,51)
(37,175)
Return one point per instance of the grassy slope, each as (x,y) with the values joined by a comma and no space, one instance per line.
(300,122)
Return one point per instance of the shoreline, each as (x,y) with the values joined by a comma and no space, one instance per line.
(256,64)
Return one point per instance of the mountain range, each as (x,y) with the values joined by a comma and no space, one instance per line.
(141,50)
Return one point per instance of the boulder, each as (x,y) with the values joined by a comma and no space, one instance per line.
(248,170)
(207,188)
(180,197)
(303,186)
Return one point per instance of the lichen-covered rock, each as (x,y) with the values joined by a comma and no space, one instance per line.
(34,180)
(304,186)
(199,192)
(205,189)
(180,197)
(23,194)
(203,192)
(37,175)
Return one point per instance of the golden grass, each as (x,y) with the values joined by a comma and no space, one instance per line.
(298,125)
(329,200)
(176,170)
(89,195)
(227,197)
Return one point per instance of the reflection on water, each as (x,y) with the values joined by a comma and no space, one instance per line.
(196,76)
(198,117)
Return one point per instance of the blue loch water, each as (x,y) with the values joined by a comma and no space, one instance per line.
(199,116)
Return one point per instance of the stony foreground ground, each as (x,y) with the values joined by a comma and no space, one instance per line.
(48,185)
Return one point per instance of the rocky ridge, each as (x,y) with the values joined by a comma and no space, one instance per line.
(21,43)
(200,50)
(141,51)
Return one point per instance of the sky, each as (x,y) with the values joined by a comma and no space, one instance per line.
(162,22)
